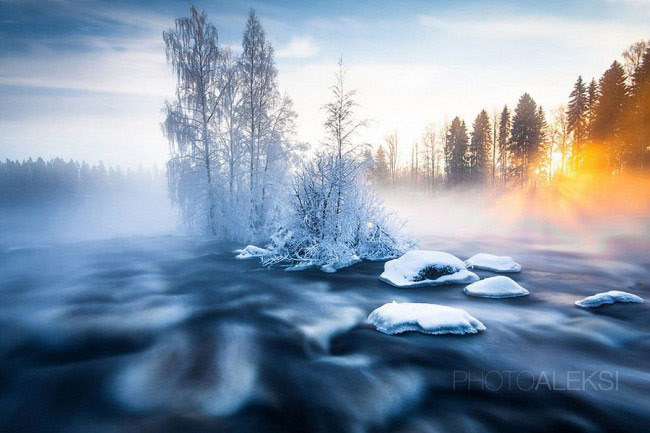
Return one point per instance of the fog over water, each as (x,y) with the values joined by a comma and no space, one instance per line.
(114,321)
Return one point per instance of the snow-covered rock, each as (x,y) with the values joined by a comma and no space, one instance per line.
(395,318)
(608,298)
(495,287)
(250,252)
(490,262)
(426,268)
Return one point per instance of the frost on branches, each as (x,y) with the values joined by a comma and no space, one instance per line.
(334,217)
(229,130)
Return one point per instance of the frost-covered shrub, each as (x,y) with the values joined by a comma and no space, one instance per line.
(334,216)
(335,219)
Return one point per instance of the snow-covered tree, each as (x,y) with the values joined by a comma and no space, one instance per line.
(197,60)
(335,218)
(267,118)
(229,131)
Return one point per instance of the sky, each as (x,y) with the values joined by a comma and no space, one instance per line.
(87,79)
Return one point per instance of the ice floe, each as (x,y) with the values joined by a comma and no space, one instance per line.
(395,318)
(495,287)
(490,262)
(251,251)
(608,298)
(426,268)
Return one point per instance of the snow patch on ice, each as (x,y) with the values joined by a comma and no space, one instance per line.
(251,251)
(608,298)
(490,262)
(426,268)
(395,318)
(495,287)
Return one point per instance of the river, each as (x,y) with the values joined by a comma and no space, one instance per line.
(172,334)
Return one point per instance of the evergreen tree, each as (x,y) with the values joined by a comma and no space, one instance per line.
(577,119)
(380,170)
(592,100)
(608,124)
(456,151)
(544,157)
(640,93)
(504,139)
(478,155)
(525,142)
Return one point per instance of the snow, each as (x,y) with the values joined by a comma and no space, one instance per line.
(250,252)
(412,268)
(333,267)
(395,318)
(608,298)
(301,266)
(490,262)
(495,287)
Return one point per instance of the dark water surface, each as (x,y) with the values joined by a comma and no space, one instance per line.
(172,334)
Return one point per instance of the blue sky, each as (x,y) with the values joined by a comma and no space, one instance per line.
(86,79)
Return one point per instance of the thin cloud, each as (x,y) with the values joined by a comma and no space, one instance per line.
(298,47)
(583,33)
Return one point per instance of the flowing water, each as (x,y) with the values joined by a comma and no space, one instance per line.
(172,334)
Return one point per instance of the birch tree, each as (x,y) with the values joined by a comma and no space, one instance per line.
(391,145)
(196,59)
(264,115)
(560,136)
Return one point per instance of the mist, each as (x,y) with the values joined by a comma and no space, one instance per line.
(57,206)
(581,214)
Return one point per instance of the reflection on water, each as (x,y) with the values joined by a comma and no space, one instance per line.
(174,334)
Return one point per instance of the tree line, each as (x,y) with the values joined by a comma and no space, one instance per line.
(605,129)
(58,182)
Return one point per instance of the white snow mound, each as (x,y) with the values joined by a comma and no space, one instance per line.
(250,252)
(490,262)
(426,268)
(395,318)
(608,298)
(495,287)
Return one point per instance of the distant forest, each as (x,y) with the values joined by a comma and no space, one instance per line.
(57,181)
(604,129)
